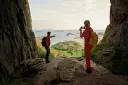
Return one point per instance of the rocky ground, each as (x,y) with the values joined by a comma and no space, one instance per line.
(63,71)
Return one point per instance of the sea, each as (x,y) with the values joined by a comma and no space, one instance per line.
(65,35)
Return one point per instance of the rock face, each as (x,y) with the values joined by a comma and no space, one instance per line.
(62,71)
(17,41)
(116,39)
(65,69)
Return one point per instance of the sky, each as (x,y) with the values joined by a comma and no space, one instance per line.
(69,14)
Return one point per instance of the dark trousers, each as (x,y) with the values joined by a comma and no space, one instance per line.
(47,54)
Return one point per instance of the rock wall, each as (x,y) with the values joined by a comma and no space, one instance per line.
(17,41)
(114,54)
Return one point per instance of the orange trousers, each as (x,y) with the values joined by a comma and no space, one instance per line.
(87,53)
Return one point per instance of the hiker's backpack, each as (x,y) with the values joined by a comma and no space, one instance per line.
(43,41)
(93,39)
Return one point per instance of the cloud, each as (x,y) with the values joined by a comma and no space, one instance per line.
(69,14)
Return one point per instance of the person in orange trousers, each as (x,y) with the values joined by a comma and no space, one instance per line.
(86,34)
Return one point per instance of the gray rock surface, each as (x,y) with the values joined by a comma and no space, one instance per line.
(17,41)
(62,71)
(65,69)
(116,39)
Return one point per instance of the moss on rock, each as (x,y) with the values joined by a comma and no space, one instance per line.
(110,54)
(101,44)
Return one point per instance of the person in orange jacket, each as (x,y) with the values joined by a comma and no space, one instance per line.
(47,47)
(86,34)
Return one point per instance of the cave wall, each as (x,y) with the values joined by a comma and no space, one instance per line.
(17,40)
(114,54)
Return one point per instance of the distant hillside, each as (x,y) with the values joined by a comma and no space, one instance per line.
(68,49)
(68,46)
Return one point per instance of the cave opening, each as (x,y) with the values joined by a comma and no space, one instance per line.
(68,15)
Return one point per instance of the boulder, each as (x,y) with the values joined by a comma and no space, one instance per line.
(31,67)
(66,69)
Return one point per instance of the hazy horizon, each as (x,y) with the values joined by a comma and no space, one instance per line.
(69,14)
(64,29)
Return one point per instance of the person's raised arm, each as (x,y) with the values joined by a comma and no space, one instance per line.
(84,34)
(52,36)
(81,33)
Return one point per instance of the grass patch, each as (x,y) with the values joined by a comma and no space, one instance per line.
(69,54)
(68,49)
(42,52)
(68,46)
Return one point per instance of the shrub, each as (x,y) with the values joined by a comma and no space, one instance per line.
(102,43)
(42,52)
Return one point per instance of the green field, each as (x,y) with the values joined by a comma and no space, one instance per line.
(65,49)
(68,49)
(70,54)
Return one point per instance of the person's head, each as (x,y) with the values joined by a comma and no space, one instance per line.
(48,33)
(87,23)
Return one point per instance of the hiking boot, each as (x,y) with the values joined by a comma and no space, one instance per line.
(47,62)
(89,70)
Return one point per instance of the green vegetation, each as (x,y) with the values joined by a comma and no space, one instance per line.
(97,48)
(42,52)
(68,46)
(69,54)
(68,49)
(116,61)
(101,44)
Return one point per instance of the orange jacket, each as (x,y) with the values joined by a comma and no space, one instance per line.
(48,42)
(86,34)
